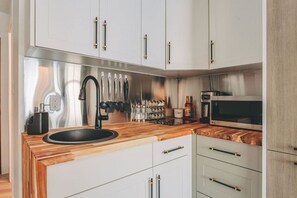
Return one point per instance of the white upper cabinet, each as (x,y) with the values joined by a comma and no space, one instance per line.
(179,34)
(153,33)
(163,34)
(120,37)
(236,32)
(186,28)
(67,25)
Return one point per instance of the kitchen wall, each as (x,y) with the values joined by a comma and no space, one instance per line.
(240,83)
(43,78)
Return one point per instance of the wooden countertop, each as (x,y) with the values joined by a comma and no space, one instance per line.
(232,134)
(37,154)
(130,134)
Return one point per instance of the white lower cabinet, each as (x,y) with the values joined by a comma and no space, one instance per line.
(173,179)
(227,169)
(134,186)
(127,173)
(222,180)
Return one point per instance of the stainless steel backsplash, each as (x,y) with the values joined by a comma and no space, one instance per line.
(240,83)
(44,78)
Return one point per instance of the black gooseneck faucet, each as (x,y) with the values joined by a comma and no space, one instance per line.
(82,96)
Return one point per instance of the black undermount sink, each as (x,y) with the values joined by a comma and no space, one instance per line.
(80,136)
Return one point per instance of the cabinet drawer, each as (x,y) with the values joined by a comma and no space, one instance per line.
(281,175)
(72,177)
(240,154)
(221,180)
(199,195)
(171,149)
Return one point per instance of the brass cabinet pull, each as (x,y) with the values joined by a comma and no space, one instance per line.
(169,52)
(171,150)
(158,186)
(223,184)
(211,52)
(145,46)
(151,182)
(227,152)
(96,33)
(105,35)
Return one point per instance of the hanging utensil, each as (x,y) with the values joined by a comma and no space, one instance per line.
(110,104)
(127,106)
(121,94)
(116,92)
(103,104)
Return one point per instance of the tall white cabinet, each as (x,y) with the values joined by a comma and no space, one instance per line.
(67,25)
(235,32)
(153,33)
(120,24)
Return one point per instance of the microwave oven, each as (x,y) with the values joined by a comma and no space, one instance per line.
(236,111)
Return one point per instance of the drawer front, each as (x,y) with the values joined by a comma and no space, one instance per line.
(221,180)
(240,154)
(171,149)
(72,177)
(281,175)
(199,195)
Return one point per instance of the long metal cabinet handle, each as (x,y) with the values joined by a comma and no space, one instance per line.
(227,185)
(169,52)
(171,150)
(151,182)
(145,46)
(105,35)
(96,32)
(227,152)
(295,163)
(158,187)
(211,52)
(295,148)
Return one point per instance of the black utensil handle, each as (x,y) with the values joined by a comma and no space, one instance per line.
(126,89)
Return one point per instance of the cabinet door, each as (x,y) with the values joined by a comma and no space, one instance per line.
(236,32)
(120,38)
(134,186)
(281,175)
(153,32)
(187,28)
(281,76)
(173,179)
(67,25)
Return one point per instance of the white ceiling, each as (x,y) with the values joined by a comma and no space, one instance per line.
(5,6)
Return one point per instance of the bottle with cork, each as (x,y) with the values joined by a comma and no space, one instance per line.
(189,107)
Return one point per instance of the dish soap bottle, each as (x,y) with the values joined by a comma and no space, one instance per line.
(188,108)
